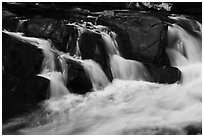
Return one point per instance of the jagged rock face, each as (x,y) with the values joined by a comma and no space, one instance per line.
(140,37)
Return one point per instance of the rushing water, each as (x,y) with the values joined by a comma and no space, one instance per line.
(128,105)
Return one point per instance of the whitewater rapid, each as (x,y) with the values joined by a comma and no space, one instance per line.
(124,107)
(128,105)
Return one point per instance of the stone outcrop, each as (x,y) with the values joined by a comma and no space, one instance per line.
(21,62)
(141,36)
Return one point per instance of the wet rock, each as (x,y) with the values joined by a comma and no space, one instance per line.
(78,80)
(19,58)
(39,27)
(48,28)
(164,74)
(20,61)
(91,47)
(141,36)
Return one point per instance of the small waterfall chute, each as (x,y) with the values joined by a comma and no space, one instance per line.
(57,84)
(96,74)
(128,69)
(184,44)
(110,44)
(185,50)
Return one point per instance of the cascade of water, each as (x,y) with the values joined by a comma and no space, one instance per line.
(128,69)
(57,87)
(48,62)
(183,48)
(110,44)
(185,51)
(48,70)
(96,74)
(131,105)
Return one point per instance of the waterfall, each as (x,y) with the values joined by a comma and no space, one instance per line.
(96,74)
(57,84)
(183,48)
(48,69)
(110,44)
(128,69)
(130,104)
(185,52)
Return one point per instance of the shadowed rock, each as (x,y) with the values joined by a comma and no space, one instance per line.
(78,81)
(194,129)
(91,47)
(164,74)
(20,61)
(28,93)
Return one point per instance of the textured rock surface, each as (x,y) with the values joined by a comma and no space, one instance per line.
(141,37)
(48,28)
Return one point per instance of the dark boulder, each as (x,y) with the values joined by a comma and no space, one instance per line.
(48,28)
(20,61)
(163,74)
(141,36)
(78,81)
(91,47)
(19,58)
(28,93)
(39,27)
(34,89)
